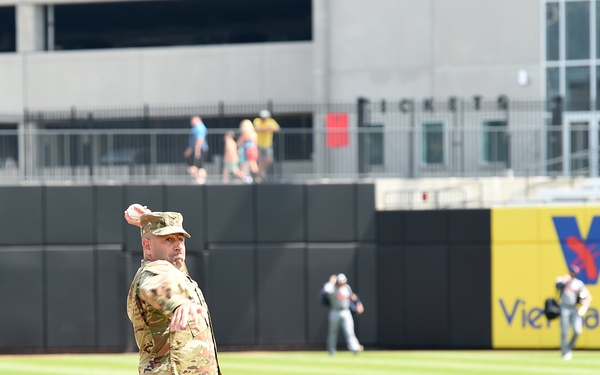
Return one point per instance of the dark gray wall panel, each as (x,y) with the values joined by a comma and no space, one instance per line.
(189,200)
(231,291)
(281,286)
(132,263)
(108,209)
(21,288)
(426,227)
(146,195)
(391,288)
(470,321)
(366,223)
(331,213)
(230,213)
(427,296)
(280,213)
(69,214)
(469,226)
(391,226)
(366,288)
(325,260)
(23,204)
(70,296)
(111,296)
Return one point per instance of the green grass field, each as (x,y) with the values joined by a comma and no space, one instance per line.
(317,363)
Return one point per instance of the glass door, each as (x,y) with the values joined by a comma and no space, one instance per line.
(580,144)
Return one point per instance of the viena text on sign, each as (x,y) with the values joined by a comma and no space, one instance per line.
(518,313)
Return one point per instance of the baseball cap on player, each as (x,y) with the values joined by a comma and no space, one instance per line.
(574,269)
(162,223)
(341,278)
(264,114)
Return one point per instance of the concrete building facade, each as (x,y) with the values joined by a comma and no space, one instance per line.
(376,49)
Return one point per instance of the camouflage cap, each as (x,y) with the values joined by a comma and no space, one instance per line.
(162,223)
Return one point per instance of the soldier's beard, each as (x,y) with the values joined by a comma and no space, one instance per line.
(180,265)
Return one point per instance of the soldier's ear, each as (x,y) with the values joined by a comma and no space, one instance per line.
(147,248)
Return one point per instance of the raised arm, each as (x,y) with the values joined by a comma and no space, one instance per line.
(133,212)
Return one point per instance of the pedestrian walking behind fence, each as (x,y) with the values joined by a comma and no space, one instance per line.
(196,151)
(231,158)
(247,140)
(265,126)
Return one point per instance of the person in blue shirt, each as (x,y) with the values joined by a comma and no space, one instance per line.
(197,146)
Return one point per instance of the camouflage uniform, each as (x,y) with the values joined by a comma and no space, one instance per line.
(158,288)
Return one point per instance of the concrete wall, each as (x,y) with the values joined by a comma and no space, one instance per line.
(439,48)
(378,49)
(158,76)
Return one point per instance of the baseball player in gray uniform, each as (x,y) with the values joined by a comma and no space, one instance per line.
(339,294)
(574,302)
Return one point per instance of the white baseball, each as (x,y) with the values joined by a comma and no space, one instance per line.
(133,211)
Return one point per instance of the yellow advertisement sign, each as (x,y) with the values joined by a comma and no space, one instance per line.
(531,247)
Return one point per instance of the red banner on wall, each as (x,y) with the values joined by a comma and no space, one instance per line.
(336,125)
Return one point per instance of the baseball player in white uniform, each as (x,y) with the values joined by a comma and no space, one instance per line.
(574,302)
(339,294)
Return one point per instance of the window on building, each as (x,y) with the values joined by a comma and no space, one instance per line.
(552,83)
(577,30)
(9,146)
(577,82)
(572,47)
(8,35)
(432,143)
(180,23)
(374,139)
(552,31)
(579,136)
(495,142)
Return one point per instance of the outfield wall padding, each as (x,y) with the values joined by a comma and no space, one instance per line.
(24,224)
(191,202)
(260,253)
(331,213)
(280,294)
(232,297)
(69,283)
(429,271)
(109,204)
(68,215)
(230,214)
(22,289)
(110,296)
(280,213)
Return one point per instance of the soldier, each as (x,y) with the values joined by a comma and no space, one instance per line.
(170,318)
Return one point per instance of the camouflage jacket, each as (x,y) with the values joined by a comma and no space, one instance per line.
(157,289)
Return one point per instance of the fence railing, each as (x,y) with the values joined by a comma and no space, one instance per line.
(82,156)
(403,139)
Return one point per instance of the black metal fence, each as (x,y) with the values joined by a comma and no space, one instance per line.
(404,138)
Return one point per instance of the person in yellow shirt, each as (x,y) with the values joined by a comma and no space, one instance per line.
(265,126)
